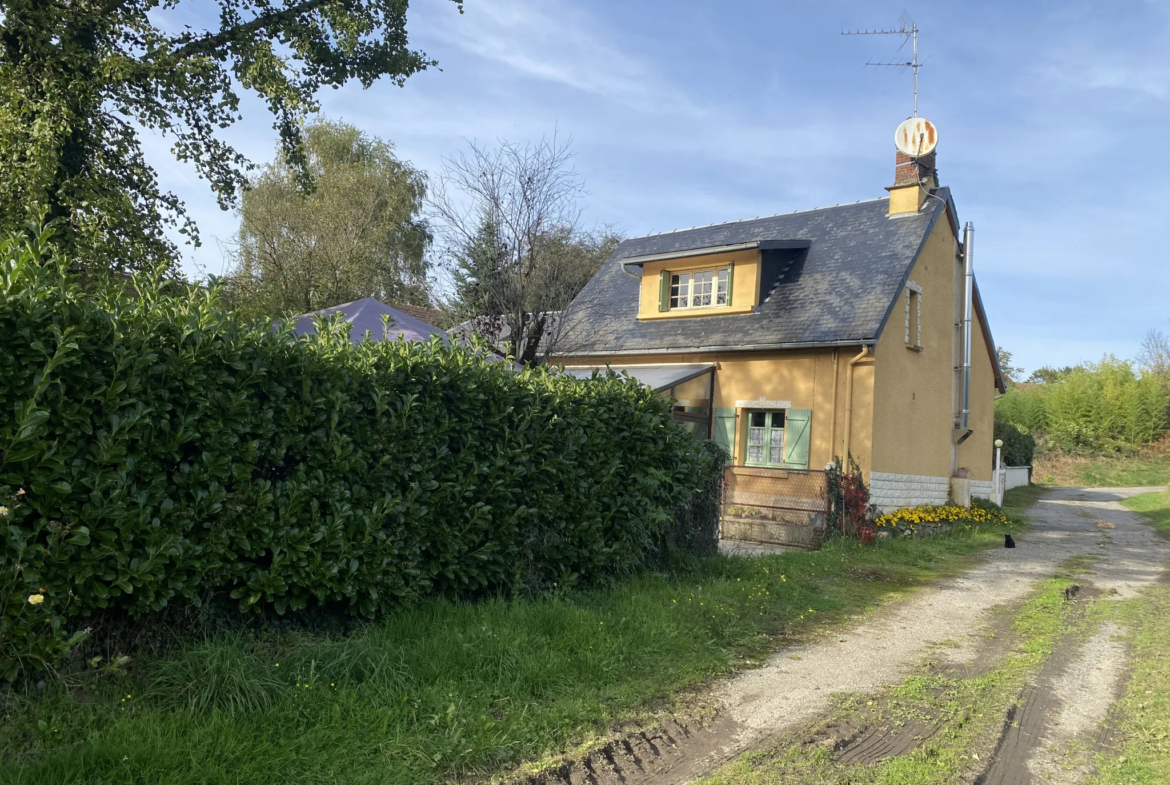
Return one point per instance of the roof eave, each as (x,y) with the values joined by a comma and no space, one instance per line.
(757,245)
(993,353)
(730,348)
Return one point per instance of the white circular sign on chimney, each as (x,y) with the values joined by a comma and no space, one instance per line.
(916,137)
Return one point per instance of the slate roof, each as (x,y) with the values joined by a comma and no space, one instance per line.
(365,315)
(839,291)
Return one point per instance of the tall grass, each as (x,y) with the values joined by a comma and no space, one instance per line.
(443,689)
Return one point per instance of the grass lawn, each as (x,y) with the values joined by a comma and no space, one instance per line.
(1155,507)
(446,690)
(1103,472)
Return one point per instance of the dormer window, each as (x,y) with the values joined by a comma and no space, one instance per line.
(698,289)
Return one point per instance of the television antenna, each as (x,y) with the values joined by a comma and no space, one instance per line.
(909,33)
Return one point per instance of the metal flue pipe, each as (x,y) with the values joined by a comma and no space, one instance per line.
(968,301)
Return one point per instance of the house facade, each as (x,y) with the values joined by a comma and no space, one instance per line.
(795,339)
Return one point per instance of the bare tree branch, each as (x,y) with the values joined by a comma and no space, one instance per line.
(509,226)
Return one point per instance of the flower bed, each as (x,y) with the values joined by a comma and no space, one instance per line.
(933,519)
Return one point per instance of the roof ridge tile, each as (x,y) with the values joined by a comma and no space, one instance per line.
(758,218)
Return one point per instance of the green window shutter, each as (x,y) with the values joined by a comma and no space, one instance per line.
(725,429)
(796,438)
(664,290)
(730,286)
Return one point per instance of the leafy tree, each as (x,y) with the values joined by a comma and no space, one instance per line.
(1010,371)
(358,234)
(80,78)
(1048,374)
(513,245)
(1096,406)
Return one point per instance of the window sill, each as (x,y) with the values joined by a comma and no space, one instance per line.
(684,313)
(914,347)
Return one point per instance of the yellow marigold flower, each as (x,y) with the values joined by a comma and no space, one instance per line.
(36,599)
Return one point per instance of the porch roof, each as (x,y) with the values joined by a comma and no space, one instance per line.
(656,377)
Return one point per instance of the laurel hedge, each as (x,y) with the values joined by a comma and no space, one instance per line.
(157,450)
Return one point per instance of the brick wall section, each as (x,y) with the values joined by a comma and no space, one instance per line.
(908,171)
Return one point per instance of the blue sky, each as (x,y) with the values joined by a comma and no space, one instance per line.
(1052,116)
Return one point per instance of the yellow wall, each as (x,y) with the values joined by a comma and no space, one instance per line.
(917,393)
(976,454)
(745,284)
(907,199)
(806,378)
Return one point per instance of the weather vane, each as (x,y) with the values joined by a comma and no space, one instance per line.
(909,32)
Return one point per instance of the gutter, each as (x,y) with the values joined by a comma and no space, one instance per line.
(733,348)
(849,402)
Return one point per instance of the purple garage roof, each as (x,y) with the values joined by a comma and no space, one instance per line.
(366,316)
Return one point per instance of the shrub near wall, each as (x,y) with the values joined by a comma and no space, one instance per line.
(155,450)
(1018,448)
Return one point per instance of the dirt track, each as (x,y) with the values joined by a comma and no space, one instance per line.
(1070,698)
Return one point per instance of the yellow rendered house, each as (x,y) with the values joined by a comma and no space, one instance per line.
(790,340)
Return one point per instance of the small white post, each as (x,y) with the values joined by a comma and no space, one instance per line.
(997,483)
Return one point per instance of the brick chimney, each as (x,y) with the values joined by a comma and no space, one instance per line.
(913,179)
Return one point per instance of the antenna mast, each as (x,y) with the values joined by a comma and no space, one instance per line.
(909,33)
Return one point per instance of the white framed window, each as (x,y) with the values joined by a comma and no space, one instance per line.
(765,438)
(698,289)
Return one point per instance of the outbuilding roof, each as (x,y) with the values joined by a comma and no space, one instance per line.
(365,316)
(836,288)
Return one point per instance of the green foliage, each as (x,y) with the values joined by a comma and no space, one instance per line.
(1023,408)
(162,449)
(358,234)
(79,79)
(443,691)
(694,528)
(1098,406)
(1018,447)
(1047,374)
(1106,404)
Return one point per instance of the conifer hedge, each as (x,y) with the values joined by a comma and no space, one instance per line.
(155,449)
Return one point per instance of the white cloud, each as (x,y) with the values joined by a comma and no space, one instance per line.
(558,42)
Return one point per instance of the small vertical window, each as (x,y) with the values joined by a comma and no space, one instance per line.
(913,316)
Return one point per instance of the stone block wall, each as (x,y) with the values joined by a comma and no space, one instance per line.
(889,491)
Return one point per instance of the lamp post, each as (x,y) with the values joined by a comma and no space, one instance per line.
(998,485)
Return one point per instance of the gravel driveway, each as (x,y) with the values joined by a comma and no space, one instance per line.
(795,686)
